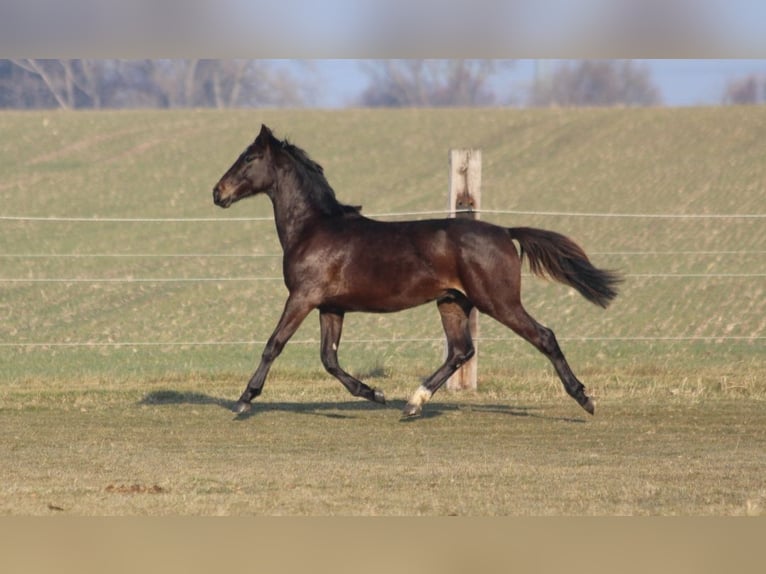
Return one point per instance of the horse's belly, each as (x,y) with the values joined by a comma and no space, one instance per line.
(387,299)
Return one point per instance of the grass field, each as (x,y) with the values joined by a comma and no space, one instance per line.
(122,343)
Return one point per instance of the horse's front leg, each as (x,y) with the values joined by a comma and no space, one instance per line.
(294,313)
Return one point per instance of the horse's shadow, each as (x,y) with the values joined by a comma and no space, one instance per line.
(343,409)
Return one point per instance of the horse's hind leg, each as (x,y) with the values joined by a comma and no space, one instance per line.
(331,325)
(544,340)
(454,312)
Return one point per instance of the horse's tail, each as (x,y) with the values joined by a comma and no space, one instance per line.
(553,254)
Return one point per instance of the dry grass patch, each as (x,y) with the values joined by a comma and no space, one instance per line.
(171,448)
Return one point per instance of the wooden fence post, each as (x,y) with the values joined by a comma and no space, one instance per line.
(464,201)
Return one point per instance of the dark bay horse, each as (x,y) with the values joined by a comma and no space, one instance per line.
(338,261)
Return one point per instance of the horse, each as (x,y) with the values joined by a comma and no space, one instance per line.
(338,261)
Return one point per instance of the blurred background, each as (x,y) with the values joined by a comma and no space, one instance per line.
(344,83)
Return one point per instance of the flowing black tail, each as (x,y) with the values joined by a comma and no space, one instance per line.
(553,254)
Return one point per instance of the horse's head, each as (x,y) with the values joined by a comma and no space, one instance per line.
(252,173)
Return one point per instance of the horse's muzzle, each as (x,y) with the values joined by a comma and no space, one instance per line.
(217,198)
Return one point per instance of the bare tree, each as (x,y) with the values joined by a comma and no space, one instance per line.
(596,83)
(419,83)
(68,83)
(90,79)
(150,83)
(746,91)
(20,88)
(56,76)
(223,83)
(129,84)
(235,83)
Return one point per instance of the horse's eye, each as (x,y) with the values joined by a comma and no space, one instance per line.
(250,157)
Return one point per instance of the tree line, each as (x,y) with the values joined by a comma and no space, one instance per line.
(204,83)
(77,83)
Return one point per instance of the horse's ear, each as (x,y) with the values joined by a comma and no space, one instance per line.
(265,137)
(265,133)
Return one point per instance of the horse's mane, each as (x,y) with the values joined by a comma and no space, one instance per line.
(311,175)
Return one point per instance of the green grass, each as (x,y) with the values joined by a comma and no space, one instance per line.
(679,427)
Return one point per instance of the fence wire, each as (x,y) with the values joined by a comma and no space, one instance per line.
(439,213)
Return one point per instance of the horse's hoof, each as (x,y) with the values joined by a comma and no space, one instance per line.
(379,397)
(588,405)
(411,410)
(241,408)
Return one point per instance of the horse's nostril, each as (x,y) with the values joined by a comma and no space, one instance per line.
(216,195)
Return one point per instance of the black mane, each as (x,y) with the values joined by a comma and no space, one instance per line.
(311,175)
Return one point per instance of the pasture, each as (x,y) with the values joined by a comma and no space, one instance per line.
(130,322)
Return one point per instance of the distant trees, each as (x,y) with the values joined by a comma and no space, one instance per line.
(744,91)
(171,83)
(424,83)
(596,83)
(420,83)
(147,83)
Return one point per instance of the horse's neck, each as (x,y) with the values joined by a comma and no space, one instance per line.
(293,211)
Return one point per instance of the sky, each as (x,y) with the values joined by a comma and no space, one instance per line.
(682,82)
(326,31)
(693,82)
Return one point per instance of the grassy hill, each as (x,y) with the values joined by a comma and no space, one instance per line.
(147,164)
(124,343)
